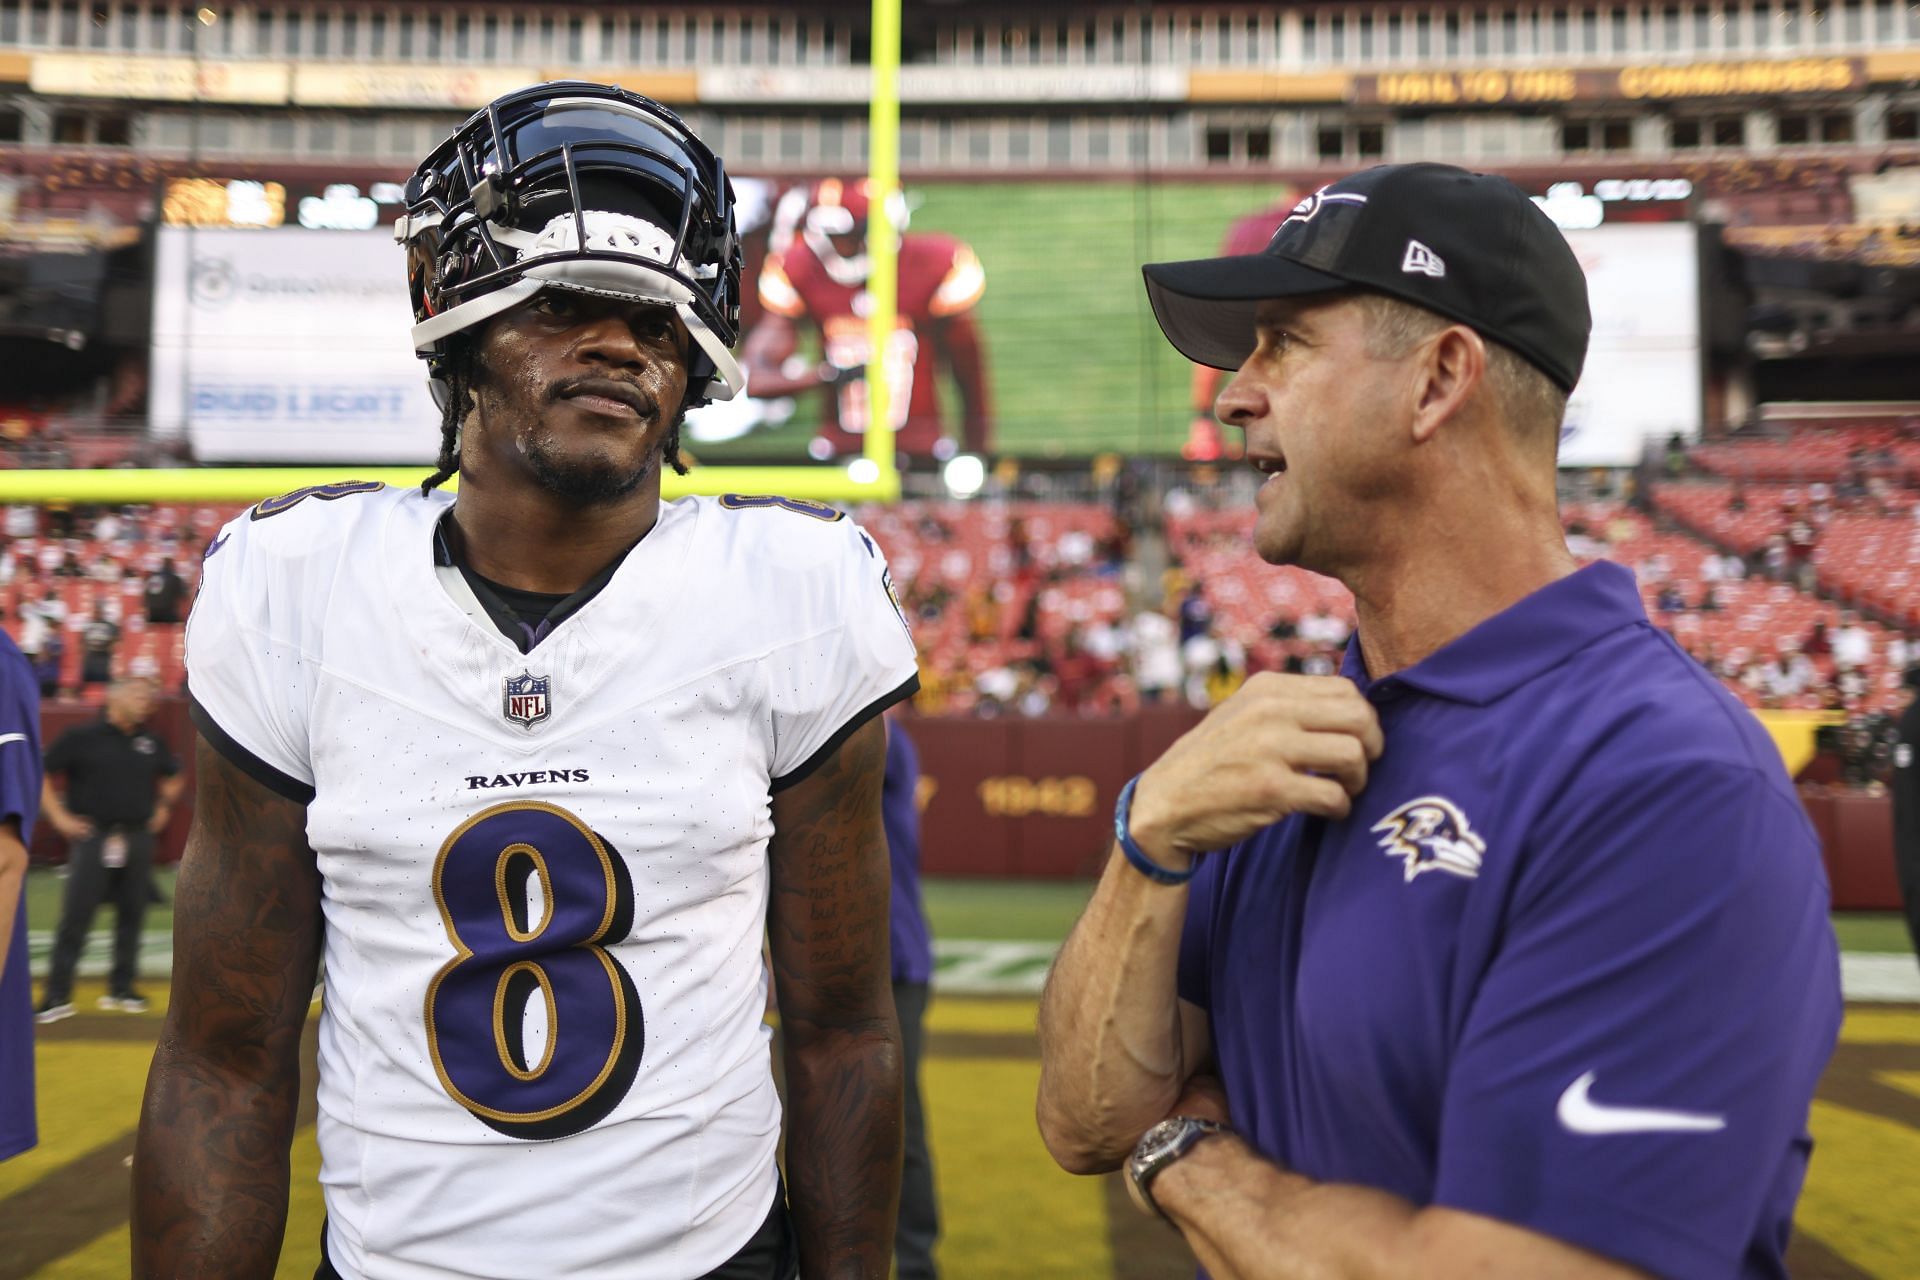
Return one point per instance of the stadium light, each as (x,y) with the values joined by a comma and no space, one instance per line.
(863,471)
(964,474)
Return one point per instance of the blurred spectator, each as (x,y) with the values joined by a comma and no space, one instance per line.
(1196,615)
(1789,676)
(1322,628)
(99,637)
(1670,600)
(1224,680)
(1078,674)
(1852,644)
(1818,644)
(1709,600)
(997,689)
(983,614)
(1156,655)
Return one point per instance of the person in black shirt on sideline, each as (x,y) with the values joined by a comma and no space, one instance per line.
(122,784)
(1906,804)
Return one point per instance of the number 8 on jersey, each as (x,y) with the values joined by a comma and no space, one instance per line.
(487,873)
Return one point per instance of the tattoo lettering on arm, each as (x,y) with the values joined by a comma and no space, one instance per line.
(210,1170)
(832,968)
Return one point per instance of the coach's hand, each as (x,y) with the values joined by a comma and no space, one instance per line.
(1282,744)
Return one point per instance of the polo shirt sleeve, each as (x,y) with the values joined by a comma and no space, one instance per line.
(19,741)
(1635,1072)
(1194,980)
(852,655)
(248,679)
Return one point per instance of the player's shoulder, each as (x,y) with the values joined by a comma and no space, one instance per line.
(933,253)
(932,245)
(308,531)
(768,534)
(316,517)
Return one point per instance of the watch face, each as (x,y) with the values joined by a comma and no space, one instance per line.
(1159,1139)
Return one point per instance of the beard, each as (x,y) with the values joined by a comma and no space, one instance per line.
(590,481)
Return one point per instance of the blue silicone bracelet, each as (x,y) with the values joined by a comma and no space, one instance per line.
(1122,812)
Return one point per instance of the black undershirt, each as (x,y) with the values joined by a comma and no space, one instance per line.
(522,616)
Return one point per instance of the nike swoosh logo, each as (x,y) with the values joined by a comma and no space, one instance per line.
(12,737)
(1579,1113)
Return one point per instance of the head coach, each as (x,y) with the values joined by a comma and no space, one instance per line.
(1504,953)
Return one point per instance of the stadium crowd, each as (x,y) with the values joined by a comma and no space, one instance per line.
(1796,596)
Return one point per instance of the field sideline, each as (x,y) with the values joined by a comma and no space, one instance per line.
(1010,1215)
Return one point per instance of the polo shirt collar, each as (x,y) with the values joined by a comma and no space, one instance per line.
(1521,642)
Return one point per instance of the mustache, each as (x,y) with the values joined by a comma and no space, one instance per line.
(627,393)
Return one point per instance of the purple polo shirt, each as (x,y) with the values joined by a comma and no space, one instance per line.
(900,812)
(1567,963)
(19,799)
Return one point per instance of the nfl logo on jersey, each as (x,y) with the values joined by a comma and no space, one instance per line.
(524,701)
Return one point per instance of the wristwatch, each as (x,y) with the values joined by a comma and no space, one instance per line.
(1159,1147)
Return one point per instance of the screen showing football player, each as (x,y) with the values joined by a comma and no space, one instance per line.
(816,276)
(534,771)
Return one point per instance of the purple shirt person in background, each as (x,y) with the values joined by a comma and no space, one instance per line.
(19,805)
(912,972)
(900,810)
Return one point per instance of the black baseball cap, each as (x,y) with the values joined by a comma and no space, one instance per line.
(1471,246)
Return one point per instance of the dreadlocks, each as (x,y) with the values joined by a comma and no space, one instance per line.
(459,369)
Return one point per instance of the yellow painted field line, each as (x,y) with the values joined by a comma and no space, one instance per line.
(89,1094)
(1881,1026)
(987,1017)
(1905,1081)
(1862,1197)
(1007,1211)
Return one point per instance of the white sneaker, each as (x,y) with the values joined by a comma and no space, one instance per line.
(124,1004)
(53,1013)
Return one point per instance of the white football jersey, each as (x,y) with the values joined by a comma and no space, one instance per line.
(544,874)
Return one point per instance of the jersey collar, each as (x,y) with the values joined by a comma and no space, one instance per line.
(1518,643)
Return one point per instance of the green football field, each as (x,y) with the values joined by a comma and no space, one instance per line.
(1009,1213)
(1076,364)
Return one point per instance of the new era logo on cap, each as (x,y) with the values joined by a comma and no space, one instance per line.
(1467,246)
(1423,260)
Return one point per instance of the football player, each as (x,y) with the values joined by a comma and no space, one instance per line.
(533,771)
(816,271)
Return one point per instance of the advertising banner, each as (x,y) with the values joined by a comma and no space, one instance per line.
(288,346)
(1642,378)
(160,79)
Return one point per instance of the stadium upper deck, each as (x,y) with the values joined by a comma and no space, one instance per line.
(359,89)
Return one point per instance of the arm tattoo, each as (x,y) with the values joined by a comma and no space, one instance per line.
(833,969)
(210,1167)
